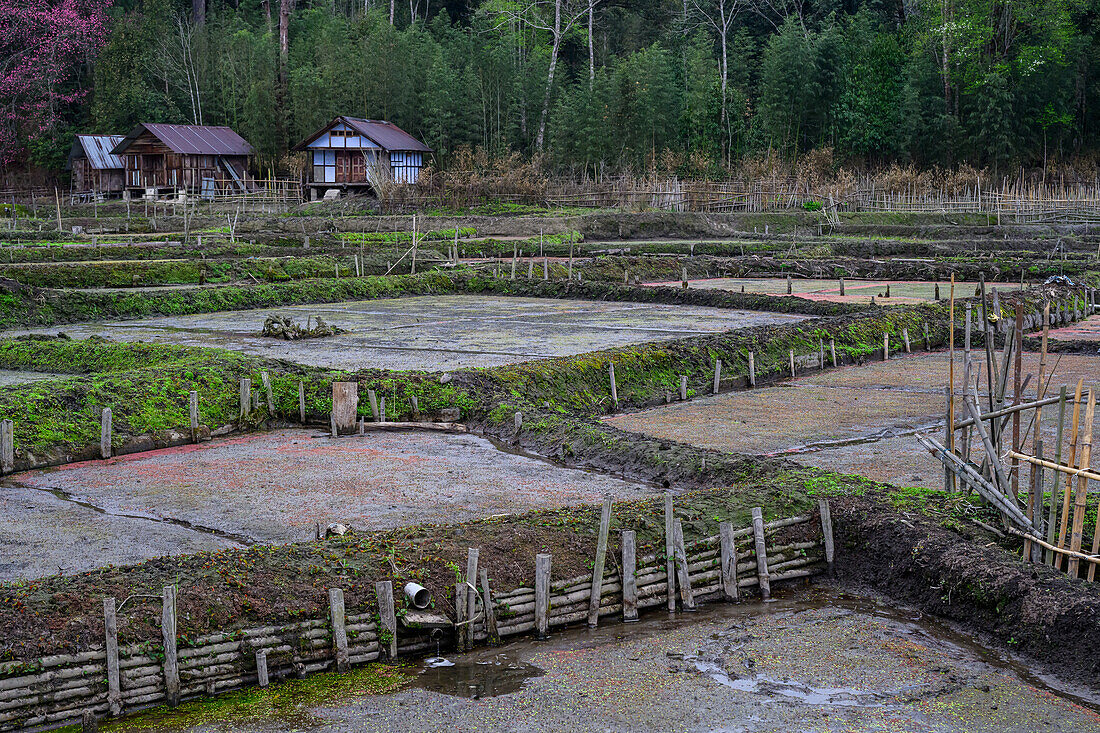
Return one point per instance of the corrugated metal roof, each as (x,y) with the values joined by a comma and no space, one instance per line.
(97,149)
(192,139)
(387,135)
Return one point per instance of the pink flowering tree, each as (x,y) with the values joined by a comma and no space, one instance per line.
(44,44)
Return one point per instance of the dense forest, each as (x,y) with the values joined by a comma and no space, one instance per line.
(588,86)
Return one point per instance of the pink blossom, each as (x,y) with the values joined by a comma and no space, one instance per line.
(43,44)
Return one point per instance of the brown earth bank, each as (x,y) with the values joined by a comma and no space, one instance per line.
(962,575)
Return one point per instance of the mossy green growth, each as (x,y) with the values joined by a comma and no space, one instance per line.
(290,703)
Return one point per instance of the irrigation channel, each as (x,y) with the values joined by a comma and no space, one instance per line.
(814,659)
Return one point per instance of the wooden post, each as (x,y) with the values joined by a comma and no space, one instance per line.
(885,347)
(490,613)
(545,268)
(842,286)
(168,631)
(471,595)
(670,553)
(1085,453)
(821,353)
(262,678)
(415,407)
(761,553)
(462,625)
(105,433)
(530,268)
(266,379)
(790,354)
(518,421)
(339,630)
(905,340)
(246,397)
(1032,551)
(827,533)
(383,592)
(1052,515)
(683,579)
(193,402)
(728,554)
(683,387)
(7,446)
(382,409)
(752,369)
(302,402)
(788,285)
(832,350)
(1017,398)
(927,338)
(614,387)
(717,374)
(114,684)
(88,722)
(542,595)
(630,580)
(684,278)
(372,396)
(597,565)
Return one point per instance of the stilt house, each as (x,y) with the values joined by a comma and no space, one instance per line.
(193,158)
(358,155)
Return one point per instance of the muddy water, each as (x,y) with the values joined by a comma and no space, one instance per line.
(815,660)
(902,292)
(439,332)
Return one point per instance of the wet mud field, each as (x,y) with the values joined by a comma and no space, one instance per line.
(858,419)
(902,292)
(438,332)
(270,488)
(818,659)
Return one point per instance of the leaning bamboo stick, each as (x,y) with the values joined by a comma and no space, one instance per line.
(1079,472)
(1082,486)
(1060,550)
(1064,524)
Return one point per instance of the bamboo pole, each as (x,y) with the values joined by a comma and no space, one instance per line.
(1082,486)
(1064,523)
(949,484)
(1052,516)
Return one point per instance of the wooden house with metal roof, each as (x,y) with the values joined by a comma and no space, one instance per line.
(192,158)
(94,170)
(350,153)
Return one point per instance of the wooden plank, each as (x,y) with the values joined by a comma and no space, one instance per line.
(7,446)
(597,565)
(542,595)
(683,579)
(471,595)
(168,632)
(262,678)
(372,396)
(338,623)
(1085,453)
(670,554)
(114,683)
(246,397)
(761,553)
(1063,524)
(105,433)
(827,534)
(345,406)
(491,630)
(728,558)
(630,579)
(302,403)
(383,593)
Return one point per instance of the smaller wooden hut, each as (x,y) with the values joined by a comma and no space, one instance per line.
(193,158)
(350,153)
(95,171)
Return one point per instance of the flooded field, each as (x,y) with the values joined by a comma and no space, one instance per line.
(9,378)
(819,660)
(1086,330)
(438,332)
(902,292)
(269,488)
(858,419)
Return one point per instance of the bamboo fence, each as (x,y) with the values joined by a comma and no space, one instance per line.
(111,680)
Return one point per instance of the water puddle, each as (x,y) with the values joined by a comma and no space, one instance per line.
(478,675)
(792,691)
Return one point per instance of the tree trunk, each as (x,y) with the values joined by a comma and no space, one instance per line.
(286,7)
(391,12)
(541,136)
(591,49)
(198,12)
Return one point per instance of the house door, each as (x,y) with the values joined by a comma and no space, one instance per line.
(343,167)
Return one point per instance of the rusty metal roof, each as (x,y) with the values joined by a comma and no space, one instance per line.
(386,135)
(191,139)
(97,149)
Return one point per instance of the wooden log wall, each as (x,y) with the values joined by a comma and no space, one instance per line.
(60,689)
